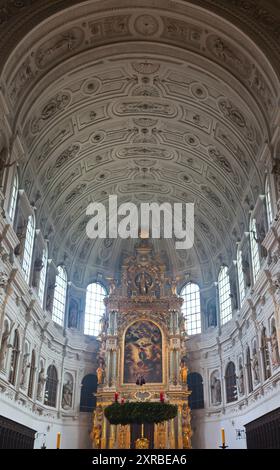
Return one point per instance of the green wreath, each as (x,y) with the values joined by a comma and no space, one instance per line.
(140,412)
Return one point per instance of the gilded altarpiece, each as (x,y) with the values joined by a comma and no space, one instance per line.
(143,336)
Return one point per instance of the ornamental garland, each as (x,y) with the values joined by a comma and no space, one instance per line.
(140,412)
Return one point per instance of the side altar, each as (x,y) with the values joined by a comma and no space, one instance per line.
(143,354)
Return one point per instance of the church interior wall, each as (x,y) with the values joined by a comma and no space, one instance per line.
(206,356)
(26,89)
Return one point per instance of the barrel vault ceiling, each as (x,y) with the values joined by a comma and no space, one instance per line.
(166,103)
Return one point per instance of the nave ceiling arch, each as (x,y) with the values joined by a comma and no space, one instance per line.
(99,114)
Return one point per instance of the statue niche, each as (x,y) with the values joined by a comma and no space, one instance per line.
(67,392)
(143,281)
(211,314)
(73,316)
(216,391)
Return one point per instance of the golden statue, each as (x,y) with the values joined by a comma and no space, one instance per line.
(183,373)
(100,375)
(187,439)
(96,435)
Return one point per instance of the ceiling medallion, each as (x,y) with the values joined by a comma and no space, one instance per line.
(146,25)
(199,91)
(91,86)
(191,140)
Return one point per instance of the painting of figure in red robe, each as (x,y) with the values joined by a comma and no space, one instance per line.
(143,353)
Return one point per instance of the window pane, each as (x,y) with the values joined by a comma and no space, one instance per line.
(89,388)
(51,387)
(59,296)
(249,370)
(231,388)
(224,296)
(95,308)
(43,273)
(240,276)
(191,308)
(28,247)
(32,374)
(13,199)
(195,385)
(254,250)
(268,203)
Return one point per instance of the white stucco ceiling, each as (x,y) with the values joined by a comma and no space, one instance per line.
(162,102)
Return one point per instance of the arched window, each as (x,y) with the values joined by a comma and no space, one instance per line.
(51,387)
(195,384)
(240,273)
(43,273)
(254,250)
(224,295)
(230,377)
(249,370)
(265,355)
(31,374)
(14,359)
(191,308)
(95,308)
(269,210)
(59,298)
(89,387)
(13,197)
(28,247)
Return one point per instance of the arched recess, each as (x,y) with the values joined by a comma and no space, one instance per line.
(265,355)
(89,388)
(50,398)
(195,385)
(275,356)
(32,374)
(67,399)
(230,380)
(249,370)
(14,358)
(216,389)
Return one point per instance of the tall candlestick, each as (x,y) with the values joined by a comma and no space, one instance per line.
(223,437)
(58,438)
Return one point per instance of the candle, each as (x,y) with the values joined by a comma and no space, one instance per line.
(122,401)
(223,437)
(116,396)
(161,397)
(58,437)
